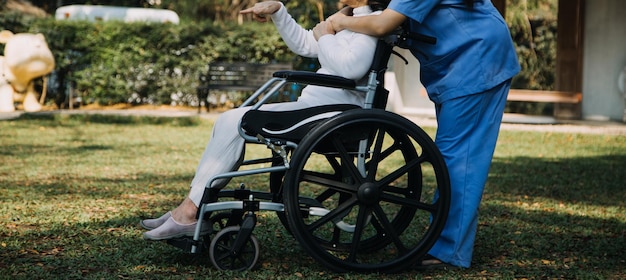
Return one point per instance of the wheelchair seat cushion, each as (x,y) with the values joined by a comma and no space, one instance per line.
(289,125)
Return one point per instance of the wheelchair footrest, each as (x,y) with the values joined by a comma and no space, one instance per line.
(185,244)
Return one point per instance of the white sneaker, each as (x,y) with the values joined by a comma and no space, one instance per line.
(172,229)
(151,224)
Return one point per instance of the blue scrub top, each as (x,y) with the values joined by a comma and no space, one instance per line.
(474,51)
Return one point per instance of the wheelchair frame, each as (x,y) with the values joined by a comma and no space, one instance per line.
(375,240)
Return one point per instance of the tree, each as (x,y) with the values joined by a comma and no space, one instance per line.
(307,12)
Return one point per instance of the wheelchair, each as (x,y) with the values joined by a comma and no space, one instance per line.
(361,189)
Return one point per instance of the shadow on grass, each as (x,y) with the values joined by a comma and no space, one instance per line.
(77,119)
(541,218)
(545,244)
(599,180)
(82,187)
(70,151)
(114,249)
(563,218)
(512,244)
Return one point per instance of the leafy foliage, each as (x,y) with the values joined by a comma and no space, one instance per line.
(113,62)
(143,63)
(533,27)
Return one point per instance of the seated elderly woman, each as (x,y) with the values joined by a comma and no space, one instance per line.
(345,53)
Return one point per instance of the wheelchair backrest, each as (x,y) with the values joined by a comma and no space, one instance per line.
(384,49)
(292,126)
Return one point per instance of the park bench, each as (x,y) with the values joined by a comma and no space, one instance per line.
(567,105)
(235,76)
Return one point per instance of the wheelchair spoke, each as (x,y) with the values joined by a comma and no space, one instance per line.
(335,213)
(389,229)
(390,150)
(400,172)
(409,202)
(325,195)
(333,163)
(376,155)
(364,212)
(327,182)
(347,161)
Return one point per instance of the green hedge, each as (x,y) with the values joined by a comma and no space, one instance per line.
(143,63)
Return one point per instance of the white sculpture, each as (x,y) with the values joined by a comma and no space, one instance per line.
(26,57)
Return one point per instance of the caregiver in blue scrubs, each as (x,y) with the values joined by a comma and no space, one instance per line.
(467,74)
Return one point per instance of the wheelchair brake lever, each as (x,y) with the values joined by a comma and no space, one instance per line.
(277,148)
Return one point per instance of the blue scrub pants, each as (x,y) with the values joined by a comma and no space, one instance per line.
(467,132)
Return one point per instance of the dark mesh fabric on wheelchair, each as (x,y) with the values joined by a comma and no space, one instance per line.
(289,125)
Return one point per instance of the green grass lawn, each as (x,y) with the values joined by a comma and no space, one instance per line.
(73,189)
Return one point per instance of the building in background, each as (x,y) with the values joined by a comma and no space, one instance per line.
(591,60)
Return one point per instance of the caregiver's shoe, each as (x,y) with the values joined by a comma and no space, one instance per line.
(429,262)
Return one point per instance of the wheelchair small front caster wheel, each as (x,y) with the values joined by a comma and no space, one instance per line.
(225,255)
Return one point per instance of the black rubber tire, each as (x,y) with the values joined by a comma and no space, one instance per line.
(381,222)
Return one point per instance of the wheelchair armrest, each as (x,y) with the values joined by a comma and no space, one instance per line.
(317,79)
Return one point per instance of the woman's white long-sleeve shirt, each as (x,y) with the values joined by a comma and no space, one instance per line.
(347,53)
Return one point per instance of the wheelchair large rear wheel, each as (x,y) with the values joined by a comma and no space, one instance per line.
(367,191)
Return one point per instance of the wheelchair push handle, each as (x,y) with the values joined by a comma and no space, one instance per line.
(419,37)
(401,36)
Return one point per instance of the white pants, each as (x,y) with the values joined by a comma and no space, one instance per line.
(224,151)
